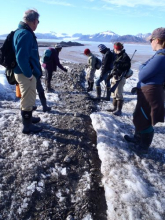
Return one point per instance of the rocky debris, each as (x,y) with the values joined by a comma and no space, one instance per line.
(53,175)
(70,43)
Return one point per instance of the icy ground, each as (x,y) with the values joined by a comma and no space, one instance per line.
(134,186)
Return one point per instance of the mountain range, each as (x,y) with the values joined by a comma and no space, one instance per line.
(106,36)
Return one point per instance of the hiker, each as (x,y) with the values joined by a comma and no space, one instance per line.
(121,64)
(150,95)
(52,66)
(91,69)
(28,68)
(107,63)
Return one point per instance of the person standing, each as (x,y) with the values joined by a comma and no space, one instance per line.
(121,64)
(149,109)
(106,67)
(52,66)
(28,68)
(91,69)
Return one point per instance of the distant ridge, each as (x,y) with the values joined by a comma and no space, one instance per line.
(106,36)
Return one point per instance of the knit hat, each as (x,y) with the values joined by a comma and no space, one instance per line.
(86,51)
(158,33)
(59,46)
(101,47)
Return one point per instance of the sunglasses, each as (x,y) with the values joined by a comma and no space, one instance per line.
(152,40)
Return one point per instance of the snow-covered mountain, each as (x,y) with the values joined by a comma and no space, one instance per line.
(52,35)
(106,36)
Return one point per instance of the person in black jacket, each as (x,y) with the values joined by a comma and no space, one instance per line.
(107,63)
(121,64)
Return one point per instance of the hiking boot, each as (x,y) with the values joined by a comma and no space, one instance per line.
(34,108)
(114,106)
(35,120)
(119,108)
(28,127)
(46,109)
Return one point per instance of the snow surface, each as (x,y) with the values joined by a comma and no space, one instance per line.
(134,186)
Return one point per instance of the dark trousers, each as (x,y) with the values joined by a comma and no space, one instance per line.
(39,86)
(149,108)
(48,76)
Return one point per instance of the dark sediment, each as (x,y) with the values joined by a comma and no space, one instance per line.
(72,145)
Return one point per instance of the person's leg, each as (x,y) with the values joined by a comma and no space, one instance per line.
(98,88)
(41,95)
(28,97)
(119,97)
(48,78)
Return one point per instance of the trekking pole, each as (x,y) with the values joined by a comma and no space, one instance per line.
(133,55)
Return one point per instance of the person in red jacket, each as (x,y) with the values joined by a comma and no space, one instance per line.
(52,66)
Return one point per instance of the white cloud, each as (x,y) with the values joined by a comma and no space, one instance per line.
(132,3)
(54,2)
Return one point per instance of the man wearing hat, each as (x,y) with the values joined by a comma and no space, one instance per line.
(52,66)
(106,67)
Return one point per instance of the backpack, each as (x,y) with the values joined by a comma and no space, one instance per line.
(7,54)
(98,63)
(8,59)
(46,57)
(128,74)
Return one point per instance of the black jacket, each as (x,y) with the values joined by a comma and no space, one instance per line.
(107,62)
(121,64)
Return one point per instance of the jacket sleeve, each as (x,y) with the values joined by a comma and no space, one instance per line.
(23,46)
(151,68)
(57,61)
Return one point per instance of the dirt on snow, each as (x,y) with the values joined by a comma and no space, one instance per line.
(53,175)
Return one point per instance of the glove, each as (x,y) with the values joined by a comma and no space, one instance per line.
(66,70)
(110,75)
(134,91)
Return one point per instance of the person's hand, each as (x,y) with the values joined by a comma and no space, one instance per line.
(31,78)
(110,75)
(66,70)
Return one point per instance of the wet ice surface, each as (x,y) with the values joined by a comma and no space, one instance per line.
(134,186)
(42,175)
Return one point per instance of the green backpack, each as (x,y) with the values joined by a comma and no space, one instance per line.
(46,57)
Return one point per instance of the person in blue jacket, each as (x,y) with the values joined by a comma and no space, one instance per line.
(150,95)
(28,68)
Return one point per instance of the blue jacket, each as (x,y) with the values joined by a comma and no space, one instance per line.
(152,72)
(26,50)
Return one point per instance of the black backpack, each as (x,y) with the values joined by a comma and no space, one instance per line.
(98,63)
(8,59)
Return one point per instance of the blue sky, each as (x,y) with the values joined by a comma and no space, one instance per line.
(86,16)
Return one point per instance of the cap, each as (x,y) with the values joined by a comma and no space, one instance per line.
(101,47)
(158,33)
(86,51)
(58,46)
(118,46)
